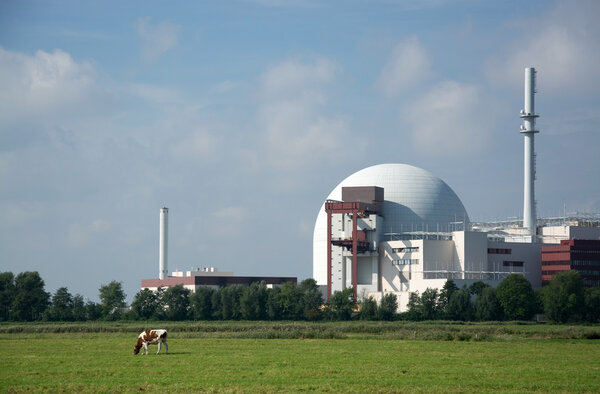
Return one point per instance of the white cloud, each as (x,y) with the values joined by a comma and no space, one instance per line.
(199,143)
(295,129)
(224,87)
(563,44)
(407,65)
(295,79)
(153,94)
(449,120)
(44,87)
(157,39)
(80,235)
(228,220)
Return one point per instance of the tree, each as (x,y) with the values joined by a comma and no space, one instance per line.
(592,304)
(112,297)
(215,302)
(424,307)
(273,307)
(30,299)
(176,300)
(312,298)
(476,288)
(387,307)
(444,298)
(564,297)
(230,302)
(7,294)
(290,302)
(368,310)
(145,304)
(460,306)
(253,301)
(414,307)
(341,304)
(93,310)
(79,312)
(62,306)
(487,306)
(201,303)
(429,300)
(516,297)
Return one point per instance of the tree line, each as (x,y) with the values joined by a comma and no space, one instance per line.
(565,299)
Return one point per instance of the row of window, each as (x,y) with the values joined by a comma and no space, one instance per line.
(551,273)
(564,262)
(499,251)
(579,263)
(512,263)
(586,272)
(405,262)
(579,251)
(585,262)
(406,249)
(581,272)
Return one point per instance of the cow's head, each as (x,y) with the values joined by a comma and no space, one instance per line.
(138,346)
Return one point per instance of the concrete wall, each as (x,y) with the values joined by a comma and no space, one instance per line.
(530,254)
(438,255)
(399,277)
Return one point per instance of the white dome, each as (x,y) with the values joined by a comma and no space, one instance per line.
(415,200)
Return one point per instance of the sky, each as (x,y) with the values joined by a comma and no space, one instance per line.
(241,116)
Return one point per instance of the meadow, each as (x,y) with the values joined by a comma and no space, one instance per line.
(283,356)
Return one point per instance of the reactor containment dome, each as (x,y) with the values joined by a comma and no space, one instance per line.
(415,201)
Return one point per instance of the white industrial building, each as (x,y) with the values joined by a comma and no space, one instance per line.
(400,229)
(415,237)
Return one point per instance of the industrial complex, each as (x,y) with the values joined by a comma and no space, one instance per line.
(396,228)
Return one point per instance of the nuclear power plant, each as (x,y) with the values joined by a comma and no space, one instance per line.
(396,228)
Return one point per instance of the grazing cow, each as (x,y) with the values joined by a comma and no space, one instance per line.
(151,337)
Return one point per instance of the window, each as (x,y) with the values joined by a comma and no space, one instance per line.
(405,261)
(499,251)
(585,262)
(406,249)
(561,262)
(512,263)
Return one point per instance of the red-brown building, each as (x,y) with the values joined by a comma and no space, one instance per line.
(580,255)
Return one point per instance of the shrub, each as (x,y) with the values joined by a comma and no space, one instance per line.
(368,309)
(387,307)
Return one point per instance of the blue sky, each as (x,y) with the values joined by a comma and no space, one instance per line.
(242,116)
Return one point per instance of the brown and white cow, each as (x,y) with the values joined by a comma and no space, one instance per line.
(150,337)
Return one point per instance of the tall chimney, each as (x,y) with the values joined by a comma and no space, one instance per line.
(528,130)
(163,255)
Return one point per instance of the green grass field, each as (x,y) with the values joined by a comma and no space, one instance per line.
(88,361)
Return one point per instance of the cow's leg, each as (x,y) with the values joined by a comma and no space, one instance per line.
(145,348)
(159,342)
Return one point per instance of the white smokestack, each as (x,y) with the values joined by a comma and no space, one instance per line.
(528,130)
(163,269)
